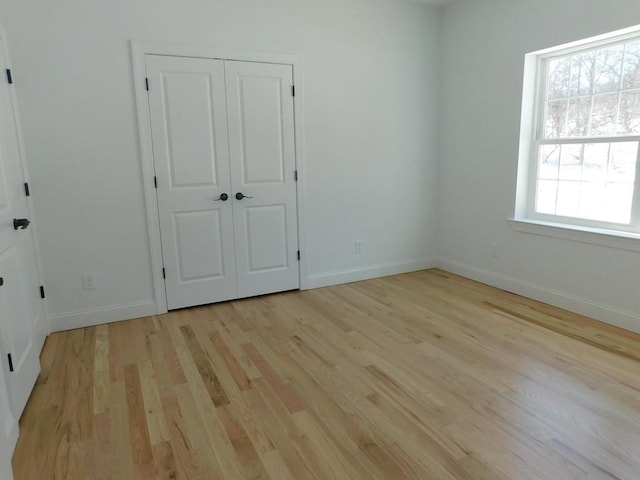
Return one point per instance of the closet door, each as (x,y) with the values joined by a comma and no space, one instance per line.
(190,146)
(262,152)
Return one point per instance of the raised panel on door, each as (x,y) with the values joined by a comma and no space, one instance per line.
(22,328)
(191,156)
(262,153)
(20,332)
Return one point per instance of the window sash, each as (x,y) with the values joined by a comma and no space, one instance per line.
(542,74)
(634,222)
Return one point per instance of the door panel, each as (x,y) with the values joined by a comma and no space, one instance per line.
(260,128)
(20,334)
(190,123)
(262,155)
(22,329)
(191,154)
(266,228)
(199,240)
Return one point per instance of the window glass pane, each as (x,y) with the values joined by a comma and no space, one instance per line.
(631,69)
(556,119)
(605,110)
(571,162)
(608,69)
(546,197)
(629,116)
(622,162)
(578,118)
(595,180)
(558,78)
(549,162)
(592,204)
(582,74)
(617,202)
(568,198)
(596,159)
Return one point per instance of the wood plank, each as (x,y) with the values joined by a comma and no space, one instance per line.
(214,387)
(101,371)
(138,428)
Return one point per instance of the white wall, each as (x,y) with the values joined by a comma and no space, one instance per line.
(371,107)
(484,43)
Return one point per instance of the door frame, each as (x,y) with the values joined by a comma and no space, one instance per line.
(139,50)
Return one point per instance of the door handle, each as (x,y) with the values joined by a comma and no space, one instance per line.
(20,223)
(222,198)
(240,196)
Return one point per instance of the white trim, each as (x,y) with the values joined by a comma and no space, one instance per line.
(583,306)
(139,49)
(372,271)
(597,41)
(588,140)
(99,316)
(148,173)
(596,236)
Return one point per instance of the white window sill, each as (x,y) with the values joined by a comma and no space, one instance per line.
(596,236)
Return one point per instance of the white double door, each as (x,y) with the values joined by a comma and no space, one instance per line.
(224,156)
(22,324)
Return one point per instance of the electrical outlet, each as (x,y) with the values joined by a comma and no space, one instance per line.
(357,246)
(88,281)
(494,249)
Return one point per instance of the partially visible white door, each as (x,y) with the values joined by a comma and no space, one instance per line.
(8,428)
(262,152)
(191,155)
(22,329)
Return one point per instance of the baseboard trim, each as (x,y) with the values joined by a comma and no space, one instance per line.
(604,313)
(369,272)
(90,318)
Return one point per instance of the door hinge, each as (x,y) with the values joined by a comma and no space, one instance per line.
(155,181)
(146,83)
(164,273)
(293,90)
(9,76)
(295,175)
(27,192)
(10,362)
(298,255)
(42,295)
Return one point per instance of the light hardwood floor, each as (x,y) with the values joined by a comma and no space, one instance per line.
(419,376)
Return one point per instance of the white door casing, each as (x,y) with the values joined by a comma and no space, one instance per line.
(215,135)
(22,325)
(263,166)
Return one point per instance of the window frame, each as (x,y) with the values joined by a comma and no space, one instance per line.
(532,138)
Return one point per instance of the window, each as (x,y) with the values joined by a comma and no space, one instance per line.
(582,134)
